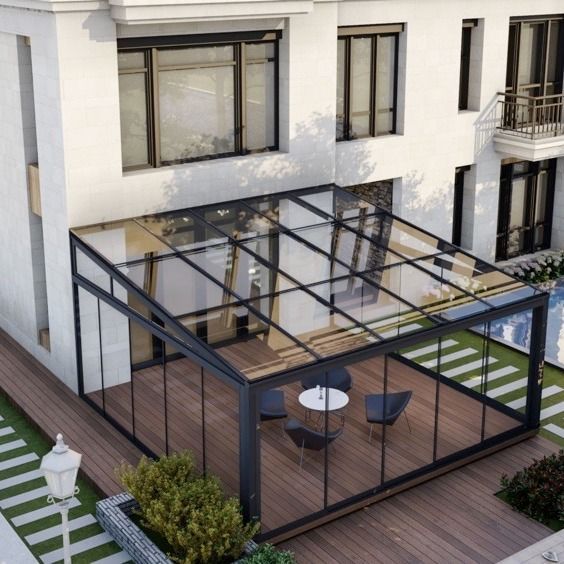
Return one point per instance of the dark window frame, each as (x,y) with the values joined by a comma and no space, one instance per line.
(347,34)
(465,57)
(458,204)
(532,175)
(150,47)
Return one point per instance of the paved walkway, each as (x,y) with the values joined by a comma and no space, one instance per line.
(533,554)
(12,549)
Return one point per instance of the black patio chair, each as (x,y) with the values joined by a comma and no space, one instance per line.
(337,378)
(305,438)
(395,406)
(272,406)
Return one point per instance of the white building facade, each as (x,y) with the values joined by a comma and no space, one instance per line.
(123,104)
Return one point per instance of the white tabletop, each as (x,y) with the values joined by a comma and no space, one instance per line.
(310,399)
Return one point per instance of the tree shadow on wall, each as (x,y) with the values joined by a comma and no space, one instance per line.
(310,161)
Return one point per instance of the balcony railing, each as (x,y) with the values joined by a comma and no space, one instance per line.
(531,117)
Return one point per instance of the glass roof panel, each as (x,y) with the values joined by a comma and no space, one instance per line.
(419,288)
(240,271)
(122,241)
(286,211)
(296,259)
(356,251)
(401,238)
(372,306)
(238,221)
(315,325)
(264,350)
(337,203)
(181,231)
(176,285)
(371,278)
(477,277)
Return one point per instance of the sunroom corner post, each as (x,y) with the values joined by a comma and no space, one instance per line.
(249,453)
(536,365)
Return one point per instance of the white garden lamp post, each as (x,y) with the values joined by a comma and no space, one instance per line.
(60,467)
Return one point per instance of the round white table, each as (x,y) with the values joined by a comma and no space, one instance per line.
(310,399)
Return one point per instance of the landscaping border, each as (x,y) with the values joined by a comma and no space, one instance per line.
(113,515)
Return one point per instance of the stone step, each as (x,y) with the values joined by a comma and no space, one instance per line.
(24,497)
(430,349)
(552,410)
(6,431)
(449,357)
(77,548)
(494,375)
(476,364)
(555,430)
(20,479)
(6,447)
(55,531)
(507,388)
(41,513)
(18,461)
(546,393)
(118,558)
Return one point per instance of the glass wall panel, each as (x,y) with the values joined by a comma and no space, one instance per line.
(90,352)
(355,454)
(261,95)
(410,403)
(385,83)
(92,272)
(221,428)
(184,405)
(361,76)
(116,366)
(292,480)
(338,203)
(196,105)
(287,212)
(530,57)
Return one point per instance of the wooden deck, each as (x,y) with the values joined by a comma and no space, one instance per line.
(453,518)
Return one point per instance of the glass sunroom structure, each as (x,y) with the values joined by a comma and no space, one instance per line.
(186,320)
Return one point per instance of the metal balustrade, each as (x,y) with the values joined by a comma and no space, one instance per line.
(531,117)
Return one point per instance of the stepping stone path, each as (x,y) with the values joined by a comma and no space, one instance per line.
(464,363)
(23,502)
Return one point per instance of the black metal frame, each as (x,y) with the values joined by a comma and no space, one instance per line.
(149,47)
(458,204)
(465,55)
(161,322)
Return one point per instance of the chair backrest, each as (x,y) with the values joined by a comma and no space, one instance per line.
(309,438)
(397,402)
(338,378)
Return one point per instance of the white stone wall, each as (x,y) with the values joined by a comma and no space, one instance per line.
(74,61)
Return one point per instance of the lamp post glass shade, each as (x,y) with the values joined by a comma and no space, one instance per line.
(60,467)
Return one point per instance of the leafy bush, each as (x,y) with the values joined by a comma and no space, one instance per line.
(267,554)
(538,491)
(188,510)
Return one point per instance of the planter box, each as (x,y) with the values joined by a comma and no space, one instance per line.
(113,515)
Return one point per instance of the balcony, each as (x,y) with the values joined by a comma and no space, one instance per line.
(530,127)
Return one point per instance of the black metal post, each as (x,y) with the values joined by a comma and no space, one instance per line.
(536,365)
(249,453)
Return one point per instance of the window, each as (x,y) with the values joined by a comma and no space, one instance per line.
(463,89)
(535,61)
(195,97)
(526,199)
(458,204)
(367,81)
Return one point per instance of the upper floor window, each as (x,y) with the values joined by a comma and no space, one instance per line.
(367,81)
(465,49)
(195,97)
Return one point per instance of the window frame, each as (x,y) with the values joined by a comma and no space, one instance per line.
(458,204)
(465,58)
(372,32)
(530,225)
(150,47)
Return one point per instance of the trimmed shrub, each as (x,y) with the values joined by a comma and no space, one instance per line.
(538,491)
(189,511)
(267,554)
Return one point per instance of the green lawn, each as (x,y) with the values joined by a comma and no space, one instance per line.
(505,357)
(87,496)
